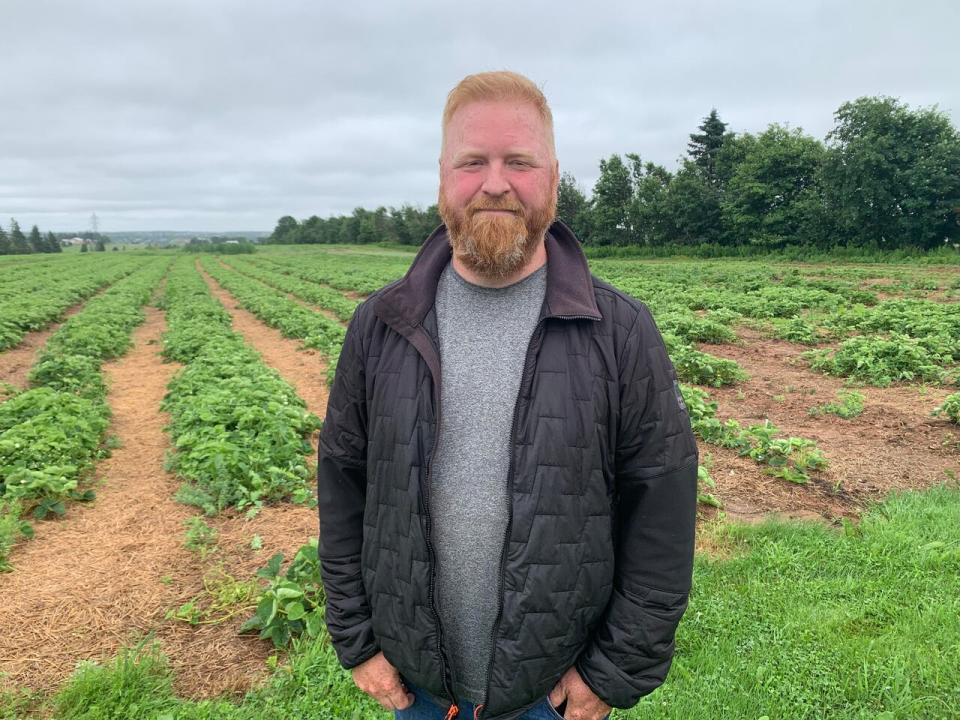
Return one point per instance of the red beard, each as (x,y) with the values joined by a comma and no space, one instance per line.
(492,245)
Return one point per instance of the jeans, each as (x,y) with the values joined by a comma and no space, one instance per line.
(424,708)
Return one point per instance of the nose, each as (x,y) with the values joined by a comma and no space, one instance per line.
(495,179)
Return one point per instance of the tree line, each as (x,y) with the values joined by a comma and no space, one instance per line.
(15,242)
(407,224)
(886,177)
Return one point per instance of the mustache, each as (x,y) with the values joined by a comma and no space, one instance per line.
(487,204)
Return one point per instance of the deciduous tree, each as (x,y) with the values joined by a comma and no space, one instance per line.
(774,196)
(892,174)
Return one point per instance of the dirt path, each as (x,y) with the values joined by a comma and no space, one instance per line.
(893,444)
(213,660)
(87,584)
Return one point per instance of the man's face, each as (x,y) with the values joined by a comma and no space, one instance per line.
(498,185)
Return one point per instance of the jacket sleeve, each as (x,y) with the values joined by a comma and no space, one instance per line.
(655,515)
(341,494)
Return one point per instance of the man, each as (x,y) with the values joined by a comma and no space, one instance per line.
(507,533)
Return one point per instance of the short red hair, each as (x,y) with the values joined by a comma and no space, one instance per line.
(497,86)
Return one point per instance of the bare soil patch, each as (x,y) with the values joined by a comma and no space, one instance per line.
(893,444)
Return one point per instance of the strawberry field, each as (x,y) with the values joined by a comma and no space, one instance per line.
(158,421)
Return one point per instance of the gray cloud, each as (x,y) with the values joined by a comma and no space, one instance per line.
(217,115)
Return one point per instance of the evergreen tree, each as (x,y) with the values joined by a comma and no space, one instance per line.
(704,146)
(5,247)
(83,247)
(18,240)
(53,245)
(100,245)
(36,240)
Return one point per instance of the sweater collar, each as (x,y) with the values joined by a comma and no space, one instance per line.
(569,291)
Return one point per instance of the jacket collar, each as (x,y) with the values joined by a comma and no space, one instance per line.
(569,290)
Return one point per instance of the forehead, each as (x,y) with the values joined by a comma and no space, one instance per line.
(496,124)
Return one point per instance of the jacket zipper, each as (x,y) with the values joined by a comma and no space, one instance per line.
(453,710)
(481,713)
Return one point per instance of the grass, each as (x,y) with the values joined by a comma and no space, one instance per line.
(807,622)
(797,620)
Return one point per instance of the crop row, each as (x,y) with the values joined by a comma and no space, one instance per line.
(239,429)
(755,291)
(36,299)
(363,273)
(285,279)
(279,311)
(51,434)
(790,458)
(880,341)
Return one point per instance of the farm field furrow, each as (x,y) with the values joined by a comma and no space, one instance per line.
(15,362)
(87,585)
(893,443)
(278,311)
(342,271)
(240,430)
(330,300)
(51,435)
(39,298)
(211,658)
(173,548)
(304,368)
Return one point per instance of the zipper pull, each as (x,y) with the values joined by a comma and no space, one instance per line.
(476,711)
(452,712)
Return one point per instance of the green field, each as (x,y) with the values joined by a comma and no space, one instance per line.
(825,397)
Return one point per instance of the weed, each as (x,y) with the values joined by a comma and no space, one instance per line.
(199,537)
(849,404)
(223,598)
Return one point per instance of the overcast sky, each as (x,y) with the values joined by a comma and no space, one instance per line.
(210,115)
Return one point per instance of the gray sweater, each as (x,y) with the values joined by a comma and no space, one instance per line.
(484,335)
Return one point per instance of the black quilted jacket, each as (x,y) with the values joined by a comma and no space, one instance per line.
(598,553)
